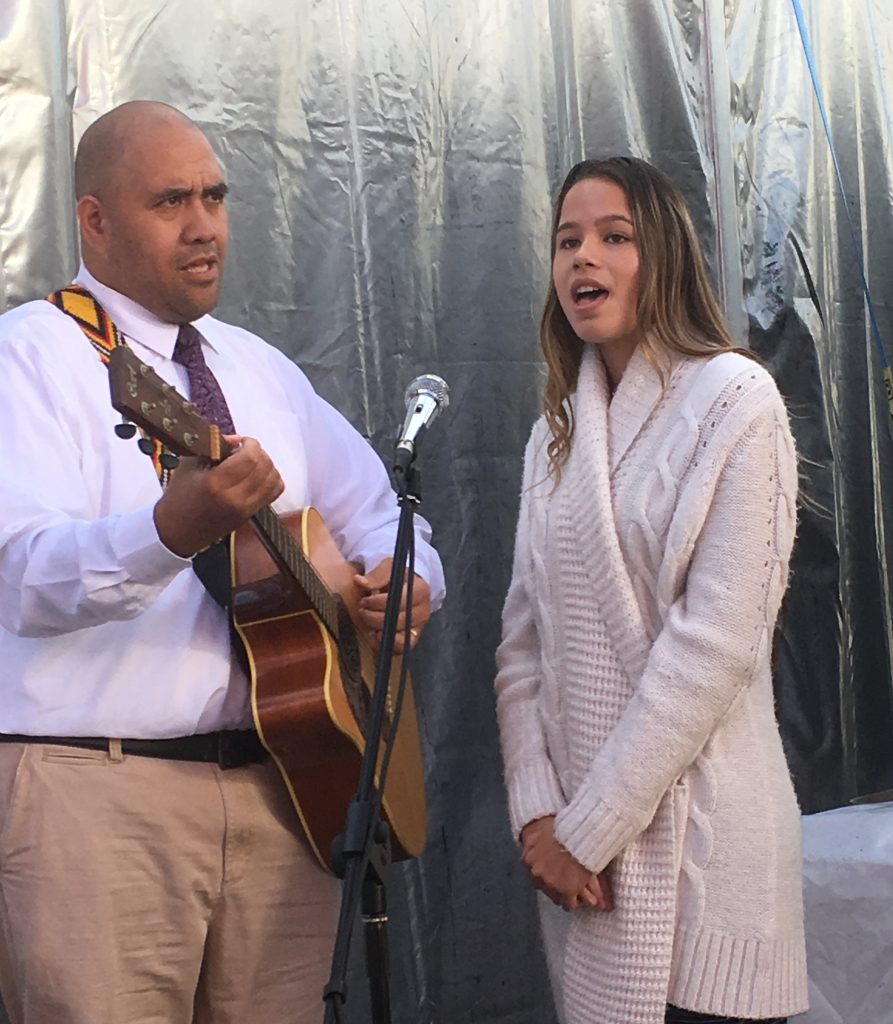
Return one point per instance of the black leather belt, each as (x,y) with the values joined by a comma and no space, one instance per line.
(230,748)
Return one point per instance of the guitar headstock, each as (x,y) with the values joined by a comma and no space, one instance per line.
(143,398)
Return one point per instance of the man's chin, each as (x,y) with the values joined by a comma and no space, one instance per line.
(197,302)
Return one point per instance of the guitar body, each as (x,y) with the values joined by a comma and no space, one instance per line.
(310,699)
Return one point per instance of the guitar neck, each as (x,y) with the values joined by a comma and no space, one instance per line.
(288,555)
(143,398)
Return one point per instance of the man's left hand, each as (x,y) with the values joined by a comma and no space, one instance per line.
(372,605)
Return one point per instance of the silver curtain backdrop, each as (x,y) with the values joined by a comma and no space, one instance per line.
(391,165)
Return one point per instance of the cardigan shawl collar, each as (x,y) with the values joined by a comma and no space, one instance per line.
(609,427)
(637,396)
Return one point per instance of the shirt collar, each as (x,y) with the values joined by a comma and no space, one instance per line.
(133,320)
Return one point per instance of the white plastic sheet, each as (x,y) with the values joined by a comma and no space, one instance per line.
(391,165)
(848,892)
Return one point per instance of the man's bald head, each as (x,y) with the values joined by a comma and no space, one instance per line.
(104,146)
(151,209)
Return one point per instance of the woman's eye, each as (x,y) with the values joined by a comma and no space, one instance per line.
(615,237)
(567,243)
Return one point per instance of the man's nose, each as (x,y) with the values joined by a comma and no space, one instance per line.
(202,224)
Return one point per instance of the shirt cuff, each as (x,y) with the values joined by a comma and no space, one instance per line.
(534,792)
(428,566)
(140,551)
(594,837)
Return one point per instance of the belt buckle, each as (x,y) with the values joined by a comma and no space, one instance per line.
(230,753)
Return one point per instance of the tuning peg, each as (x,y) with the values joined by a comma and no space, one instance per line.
(125,428)
(146,445)
(169,460)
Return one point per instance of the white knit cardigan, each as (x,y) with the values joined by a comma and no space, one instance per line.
(634,689)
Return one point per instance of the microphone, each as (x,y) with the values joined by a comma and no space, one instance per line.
(425,397)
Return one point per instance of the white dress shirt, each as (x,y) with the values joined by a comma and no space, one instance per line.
(104,631)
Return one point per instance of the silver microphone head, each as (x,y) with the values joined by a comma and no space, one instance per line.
(432,385)
(426,396)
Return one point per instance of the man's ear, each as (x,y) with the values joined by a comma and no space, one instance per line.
(93,223)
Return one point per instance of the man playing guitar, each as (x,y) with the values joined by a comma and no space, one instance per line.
(151,863)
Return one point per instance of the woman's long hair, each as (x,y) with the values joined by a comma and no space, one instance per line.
(676,309)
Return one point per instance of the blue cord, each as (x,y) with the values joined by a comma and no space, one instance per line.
(857,248)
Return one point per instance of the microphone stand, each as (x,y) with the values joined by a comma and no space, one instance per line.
(362,853)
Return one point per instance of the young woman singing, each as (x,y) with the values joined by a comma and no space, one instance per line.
(646,778)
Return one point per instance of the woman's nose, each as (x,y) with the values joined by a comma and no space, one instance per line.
(587,254)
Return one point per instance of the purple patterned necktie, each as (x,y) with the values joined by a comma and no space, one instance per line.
(204,391)
(211,565)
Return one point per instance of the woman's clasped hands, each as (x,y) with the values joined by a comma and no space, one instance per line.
(558,874)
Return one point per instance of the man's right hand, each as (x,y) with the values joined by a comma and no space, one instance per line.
(202,504)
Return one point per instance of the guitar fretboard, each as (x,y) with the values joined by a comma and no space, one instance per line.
(290,556)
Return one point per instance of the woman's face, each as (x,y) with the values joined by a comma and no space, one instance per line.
(596,266)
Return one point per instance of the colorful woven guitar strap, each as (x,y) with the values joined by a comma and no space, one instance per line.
(102,333)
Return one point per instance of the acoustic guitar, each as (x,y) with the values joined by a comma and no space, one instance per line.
(295,609)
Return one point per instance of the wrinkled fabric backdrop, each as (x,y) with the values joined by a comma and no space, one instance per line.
(391,165)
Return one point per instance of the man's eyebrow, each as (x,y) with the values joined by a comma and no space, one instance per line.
(572,225)
(217,190)
(171,193)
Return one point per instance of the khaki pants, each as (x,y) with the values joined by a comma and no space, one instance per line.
(161,892)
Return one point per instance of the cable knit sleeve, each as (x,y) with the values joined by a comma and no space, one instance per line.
(532,783)
(716,636)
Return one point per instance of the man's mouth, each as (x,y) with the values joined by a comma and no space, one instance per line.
(202,267)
